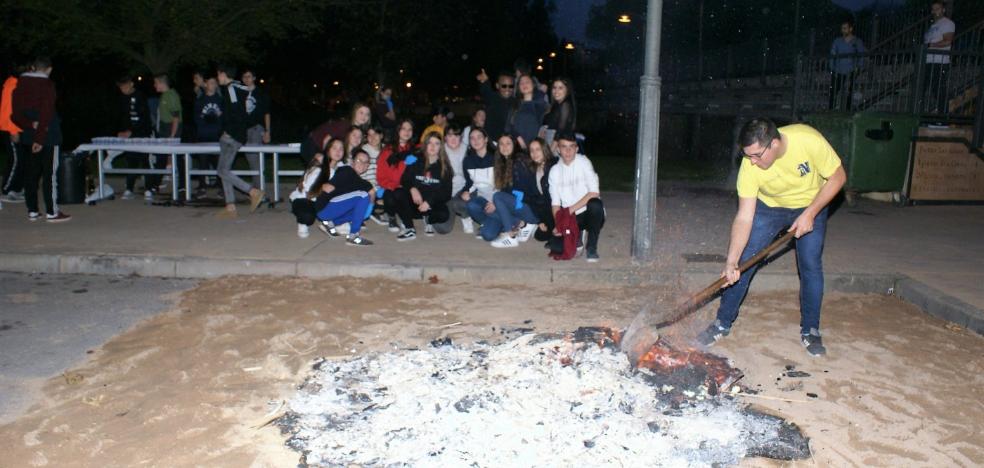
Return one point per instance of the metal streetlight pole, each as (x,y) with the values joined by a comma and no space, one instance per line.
(647,147)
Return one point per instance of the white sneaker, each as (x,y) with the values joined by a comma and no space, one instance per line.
(429,230)
(468,225)
(505,241)
(526,232)
(302,231)
(128,195)
(344,229)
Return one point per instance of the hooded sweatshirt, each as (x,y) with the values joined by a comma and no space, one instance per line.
(434,188)
(479,173)
(234,118)
(34,101)
(6,107)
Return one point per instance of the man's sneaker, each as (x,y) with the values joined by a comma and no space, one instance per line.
(328,229)
(58,217)
(128,195)
(393,225)
(429,230)
(526,232)
(32,216)
(377,219)
(813,343)
(357,240)
(12,197)
(712,333)
(468,225)
(505,241)
(407,235)
(302,231)
(344,229)
(593,257)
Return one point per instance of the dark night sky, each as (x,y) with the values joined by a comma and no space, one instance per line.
(572,15)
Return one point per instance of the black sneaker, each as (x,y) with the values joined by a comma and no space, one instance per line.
(813,343)
(357,240)
(393,225)
(593,257)
(328,229)
(712,334)
(408,235)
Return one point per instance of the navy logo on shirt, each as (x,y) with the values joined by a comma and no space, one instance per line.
(804,168)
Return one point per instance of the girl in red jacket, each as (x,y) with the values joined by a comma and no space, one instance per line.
(389,169)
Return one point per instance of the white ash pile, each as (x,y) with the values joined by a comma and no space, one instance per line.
(536,400)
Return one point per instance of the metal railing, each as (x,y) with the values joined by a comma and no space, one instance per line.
(906,81)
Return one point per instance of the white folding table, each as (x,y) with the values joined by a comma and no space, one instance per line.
(189,149)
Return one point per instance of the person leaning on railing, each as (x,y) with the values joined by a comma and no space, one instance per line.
(939,36)
(844,64)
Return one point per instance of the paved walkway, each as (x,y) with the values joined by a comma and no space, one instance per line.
(938,246)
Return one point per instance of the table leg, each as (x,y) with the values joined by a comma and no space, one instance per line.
(187,176)
(276,177)
(102,176)
(174,177)
(262,175)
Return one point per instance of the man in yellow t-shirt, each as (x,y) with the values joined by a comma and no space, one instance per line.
(787,178)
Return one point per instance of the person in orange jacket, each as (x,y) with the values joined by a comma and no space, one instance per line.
(12,188)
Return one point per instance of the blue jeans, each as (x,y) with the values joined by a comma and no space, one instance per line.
(491,225)
(509,216)
(351,210)
(809,248)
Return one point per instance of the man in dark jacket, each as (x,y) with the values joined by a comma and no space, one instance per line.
(234,128)
(498,103)
(34,112)
(133,121)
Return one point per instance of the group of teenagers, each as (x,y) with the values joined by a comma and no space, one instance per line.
(513,175)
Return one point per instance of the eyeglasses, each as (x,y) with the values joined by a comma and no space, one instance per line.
(759,155)
(507,86)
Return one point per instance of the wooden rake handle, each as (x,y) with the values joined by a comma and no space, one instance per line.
(697,300)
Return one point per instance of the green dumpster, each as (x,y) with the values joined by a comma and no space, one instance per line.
(874,147)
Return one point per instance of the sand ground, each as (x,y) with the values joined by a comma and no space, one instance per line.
(191,386)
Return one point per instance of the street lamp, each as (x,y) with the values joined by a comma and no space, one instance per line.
(409,84)
(569,46)
(539,60)
(553,54)
(624,19)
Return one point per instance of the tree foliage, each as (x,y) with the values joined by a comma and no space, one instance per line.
(155,35)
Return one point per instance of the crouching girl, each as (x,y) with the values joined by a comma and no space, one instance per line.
(426,190)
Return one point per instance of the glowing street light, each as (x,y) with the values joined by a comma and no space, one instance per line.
(569,46)
(315,85)
(553,54)
(624,19)
(539,60)
(335,83)
(409,84)
(262,81)
(539,67)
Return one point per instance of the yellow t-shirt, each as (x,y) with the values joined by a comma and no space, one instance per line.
(794,179)
(431,128)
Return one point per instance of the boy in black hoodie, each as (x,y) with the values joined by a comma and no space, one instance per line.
(234,124)
(33,103)
(346,198)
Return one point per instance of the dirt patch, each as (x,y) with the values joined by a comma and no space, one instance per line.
(188,387)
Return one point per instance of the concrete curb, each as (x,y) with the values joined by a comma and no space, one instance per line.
(929,299)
